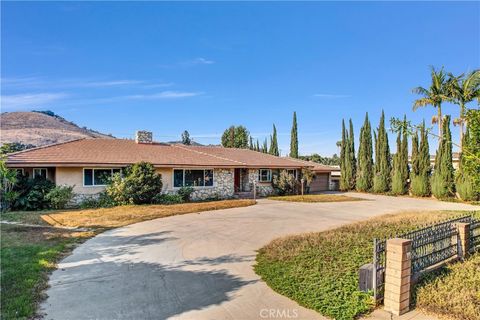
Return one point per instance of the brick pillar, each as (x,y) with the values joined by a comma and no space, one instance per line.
(398,276)
(463,239)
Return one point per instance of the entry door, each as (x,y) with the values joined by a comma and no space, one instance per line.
(236,179)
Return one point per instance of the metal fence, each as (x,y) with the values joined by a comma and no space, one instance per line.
(430,246)
(474,241)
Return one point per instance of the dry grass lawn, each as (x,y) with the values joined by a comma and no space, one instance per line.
(315,198)
(124,215)
(319,270)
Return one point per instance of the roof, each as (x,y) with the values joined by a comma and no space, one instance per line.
(118,152)
(315,166)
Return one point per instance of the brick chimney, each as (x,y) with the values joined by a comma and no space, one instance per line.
(143,137)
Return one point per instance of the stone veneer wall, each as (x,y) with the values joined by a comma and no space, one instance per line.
(263,189)
(223,187)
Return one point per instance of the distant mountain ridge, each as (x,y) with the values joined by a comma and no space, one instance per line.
(41,128)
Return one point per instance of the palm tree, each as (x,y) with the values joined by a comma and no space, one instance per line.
(433,96)
(463,90)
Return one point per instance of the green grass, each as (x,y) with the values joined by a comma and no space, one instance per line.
(27,256)
(320,270)
(315,198)
(453,290)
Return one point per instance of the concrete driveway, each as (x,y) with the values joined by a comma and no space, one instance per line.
(198,266)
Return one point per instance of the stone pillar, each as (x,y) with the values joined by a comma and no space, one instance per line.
(398,276)
(463,239)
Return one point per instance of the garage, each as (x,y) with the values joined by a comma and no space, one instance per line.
(320,182)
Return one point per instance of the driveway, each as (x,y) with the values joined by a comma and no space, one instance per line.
(198,266)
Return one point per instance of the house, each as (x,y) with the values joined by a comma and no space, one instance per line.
(87,164)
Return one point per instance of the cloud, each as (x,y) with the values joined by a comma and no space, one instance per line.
(189,63)
(163,95)
(112,83)
(329,95)
(30,100)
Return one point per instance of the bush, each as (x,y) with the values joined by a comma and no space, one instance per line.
(466,189)
(139,186)
(419,186)
(285,183)
(168,199)
(185,193)
(32,194)
(102,200)
(440,189)
(60,196)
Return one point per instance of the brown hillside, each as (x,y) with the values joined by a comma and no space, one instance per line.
(41,129)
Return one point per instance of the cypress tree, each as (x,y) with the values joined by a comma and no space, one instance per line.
(250,144)
(351,157)
(383,167)
(400,163)
(415,155)
(294,138)
(424,165)
(265,146)
(257,147)
(274,143)
(443,178)
(365,162)
(344,184)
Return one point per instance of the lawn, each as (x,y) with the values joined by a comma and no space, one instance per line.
(315,198)
(454,290)
(29,254)
(320,270)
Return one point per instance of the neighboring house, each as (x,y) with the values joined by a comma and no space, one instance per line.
(87,164)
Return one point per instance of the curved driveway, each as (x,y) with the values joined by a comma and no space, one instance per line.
(198,266)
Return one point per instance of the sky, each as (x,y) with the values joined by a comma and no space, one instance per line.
(118,67)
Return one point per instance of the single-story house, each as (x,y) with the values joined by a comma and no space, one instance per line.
(219,172)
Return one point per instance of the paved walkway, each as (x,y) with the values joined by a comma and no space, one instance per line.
(198,266)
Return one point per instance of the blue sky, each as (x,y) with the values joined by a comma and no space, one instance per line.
(167,67)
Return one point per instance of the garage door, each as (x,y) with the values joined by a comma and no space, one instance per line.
(319,183)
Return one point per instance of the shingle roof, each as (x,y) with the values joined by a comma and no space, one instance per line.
(97,152)
(315,166)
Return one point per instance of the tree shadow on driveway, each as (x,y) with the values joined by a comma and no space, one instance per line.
(111,282)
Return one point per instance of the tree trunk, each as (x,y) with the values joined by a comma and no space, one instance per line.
(439,110)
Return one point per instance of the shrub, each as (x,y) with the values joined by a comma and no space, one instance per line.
(32,194)
(185,193)
(440,189)
(168,199)
(419,186)
(398,183)
(60,196)
(380,183)
(284,183)
(466,189)
(102,200)
(139,186)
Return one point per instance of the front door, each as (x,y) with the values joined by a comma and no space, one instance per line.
(236,179)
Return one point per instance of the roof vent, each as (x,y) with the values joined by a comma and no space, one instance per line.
(143,137)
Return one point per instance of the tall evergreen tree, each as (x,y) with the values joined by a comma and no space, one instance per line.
(294,138)
(383,167)
(420,174)
(351,157)
(186,138)
(344,183)
(443,185)
(400,163)
(251,146)
(274,143)
(257,147)
(364,180)
(265,146)
(235,137)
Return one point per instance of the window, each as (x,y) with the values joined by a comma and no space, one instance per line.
(40,173)
(98,177)
(293,172)
(192,178)
(264,175)
(20,173)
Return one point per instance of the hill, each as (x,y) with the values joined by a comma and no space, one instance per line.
(40,128)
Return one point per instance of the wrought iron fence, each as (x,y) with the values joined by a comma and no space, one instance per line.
(430,245)
(474,241)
